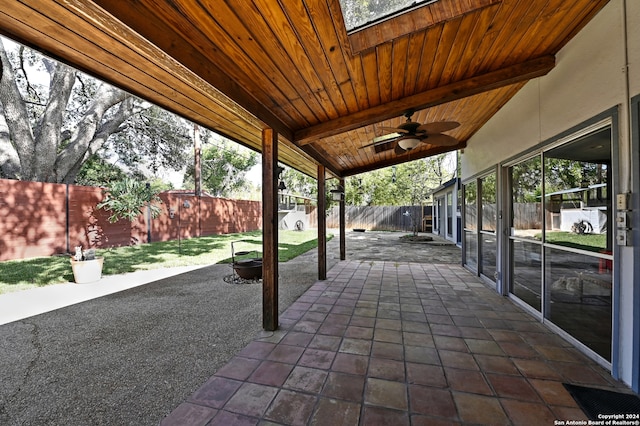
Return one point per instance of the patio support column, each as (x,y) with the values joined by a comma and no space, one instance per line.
(322,225)
(343,248)
(269,230)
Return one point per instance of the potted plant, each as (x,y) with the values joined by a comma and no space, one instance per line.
(124,200)
(86,266)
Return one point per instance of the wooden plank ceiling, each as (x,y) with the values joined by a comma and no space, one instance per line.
(238,66)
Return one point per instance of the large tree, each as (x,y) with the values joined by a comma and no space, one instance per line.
(298,183)
(405,184)
(224,167)
(54,118)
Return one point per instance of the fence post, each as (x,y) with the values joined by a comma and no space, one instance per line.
(66,207)
(148,185)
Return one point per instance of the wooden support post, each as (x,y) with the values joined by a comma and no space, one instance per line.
(197,175)
(322,225)
(197,165)
(343,247)
(269,230)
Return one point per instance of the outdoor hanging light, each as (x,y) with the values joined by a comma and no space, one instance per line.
(337,194)
(281,185)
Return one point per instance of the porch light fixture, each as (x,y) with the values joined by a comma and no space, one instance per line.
(408,143)
(281,185)
(337,194)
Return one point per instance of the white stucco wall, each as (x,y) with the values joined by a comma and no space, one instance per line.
(590,77)
(633,24)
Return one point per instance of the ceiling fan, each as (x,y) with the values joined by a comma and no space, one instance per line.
(410,134)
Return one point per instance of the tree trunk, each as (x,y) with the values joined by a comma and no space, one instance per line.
(19,135)
(48,131)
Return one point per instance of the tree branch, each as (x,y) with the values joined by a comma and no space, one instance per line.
(91,133)
(30,89)
(48,130)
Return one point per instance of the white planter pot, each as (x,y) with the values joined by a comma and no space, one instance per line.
(87,271)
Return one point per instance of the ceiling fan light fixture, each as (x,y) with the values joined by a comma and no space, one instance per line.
(408,143)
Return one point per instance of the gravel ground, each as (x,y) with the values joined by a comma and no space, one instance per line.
(130,358)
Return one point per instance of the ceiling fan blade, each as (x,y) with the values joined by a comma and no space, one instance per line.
(441,140)
(438,127)
(380,140)
(393,130)
(398,150)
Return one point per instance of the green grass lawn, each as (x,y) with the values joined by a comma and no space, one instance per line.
(18,275)
(589,242)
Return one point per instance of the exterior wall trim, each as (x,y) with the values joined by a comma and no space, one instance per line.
(635,202)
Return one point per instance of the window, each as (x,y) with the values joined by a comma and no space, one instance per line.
(358,14)
(488,224)
(525,245)
(480,224)
(471,224)
(489,207)
(450,214)
(370,24)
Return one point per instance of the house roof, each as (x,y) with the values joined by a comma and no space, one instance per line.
(239,66)
(446,185)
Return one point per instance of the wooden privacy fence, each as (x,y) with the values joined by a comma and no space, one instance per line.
(381,218)
(41,219)
(525,216)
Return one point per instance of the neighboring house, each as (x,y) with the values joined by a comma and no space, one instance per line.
(584,115)
(446,216)
(296,213)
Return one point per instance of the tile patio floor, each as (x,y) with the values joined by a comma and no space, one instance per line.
(382,343)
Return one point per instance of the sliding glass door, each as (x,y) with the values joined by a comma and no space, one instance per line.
(578,239)
(560,237)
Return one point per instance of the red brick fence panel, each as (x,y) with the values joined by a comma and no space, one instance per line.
(186,216)
(41,219)
(217,216)
(89,226)
(33,219)
(246,216)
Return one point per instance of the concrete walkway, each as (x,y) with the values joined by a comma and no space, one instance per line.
(27,303)
(364,246)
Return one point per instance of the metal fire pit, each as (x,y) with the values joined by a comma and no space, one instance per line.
(250,269)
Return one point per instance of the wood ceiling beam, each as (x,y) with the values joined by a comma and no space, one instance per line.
(451,92)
